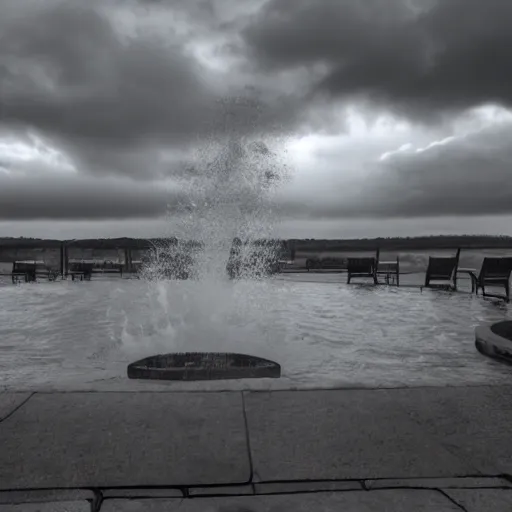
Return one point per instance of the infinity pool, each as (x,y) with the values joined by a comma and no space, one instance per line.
(79,336)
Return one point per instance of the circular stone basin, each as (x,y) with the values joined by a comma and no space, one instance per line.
(203,366)
(495,340)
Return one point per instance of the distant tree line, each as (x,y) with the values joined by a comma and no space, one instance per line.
(311,244)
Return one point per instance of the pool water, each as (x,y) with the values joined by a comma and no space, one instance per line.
(324,333)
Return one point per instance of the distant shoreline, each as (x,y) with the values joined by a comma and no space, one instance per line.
(303,245)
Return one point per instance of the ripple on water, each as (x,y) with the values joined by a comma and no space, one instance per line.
(82,335)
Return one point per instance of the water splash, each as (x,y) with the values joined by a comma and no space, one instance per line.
(229,191)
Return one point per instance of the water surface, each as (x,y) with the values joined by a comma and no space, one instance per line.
(78,336)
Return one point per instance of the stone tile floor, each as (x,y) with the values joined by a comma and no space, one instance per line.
(411,449)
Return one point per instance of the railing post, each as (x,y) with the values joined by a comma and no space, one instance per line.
(63,259)
(457,256)
(128,260)
(292,248)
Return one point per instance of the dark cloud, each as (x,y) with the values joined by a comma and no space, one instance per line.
(61,197)
(107,100)
(113,98)
(418,58)
(118,89)
(68,71)
(465,177)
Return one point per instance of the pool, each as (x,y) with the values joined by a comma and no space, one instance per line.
(324,333)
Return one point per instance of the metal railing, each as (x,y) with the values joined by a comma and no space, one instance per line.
(296,247)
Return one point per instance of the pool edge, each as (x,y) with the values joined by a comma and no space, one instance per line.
(492,345)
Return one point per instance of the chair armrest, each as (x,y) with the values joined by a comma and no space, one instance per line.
(471,271)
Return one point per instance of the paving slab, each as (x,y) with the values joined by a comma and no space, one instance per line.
(47,495)
(125,439)
(60,506)
(141,493)
(238,490)
(438,483)
(10,401)
(482,500)
(341,434)
(473,423)
(297,487)
(358,501)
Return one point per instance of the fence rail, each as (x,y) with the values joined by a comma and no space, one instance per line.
(294,247)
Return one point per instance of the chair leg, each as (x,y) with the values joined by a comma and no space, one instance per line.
(507,291)
(348,277)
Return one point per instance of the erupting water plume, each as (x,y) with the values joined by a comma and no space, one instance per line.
(228,195)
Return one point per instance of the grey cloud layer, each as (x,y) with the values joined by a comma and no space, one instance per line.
(419,58)
(110,99)
(469,176)
(115,100)
(97,86)
(71,197)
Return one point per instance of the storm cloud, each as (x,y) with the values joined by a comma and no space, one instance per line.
(458,176)
(418,58)
(79,198)
(115,95)
(107,108)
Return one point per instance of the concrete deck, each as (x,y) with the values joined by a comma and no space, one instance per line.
(421,449)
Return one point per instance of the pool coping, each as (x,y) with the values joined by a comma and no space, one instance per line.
(492,345)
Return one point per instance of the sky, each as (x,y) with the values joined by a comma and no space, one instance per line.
(382,117)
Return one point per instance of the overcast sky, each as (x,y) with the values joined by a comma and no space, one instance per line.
(390,117)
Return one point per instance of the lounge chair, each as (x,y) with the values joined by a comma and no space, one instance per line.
(22,270)
(390,270)
(80,270)
(28,271)
(362,267)
(442,269)
(494,272)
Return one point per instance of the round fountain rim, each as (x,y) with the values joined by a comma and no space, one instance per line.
(488,342)
(199,369)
